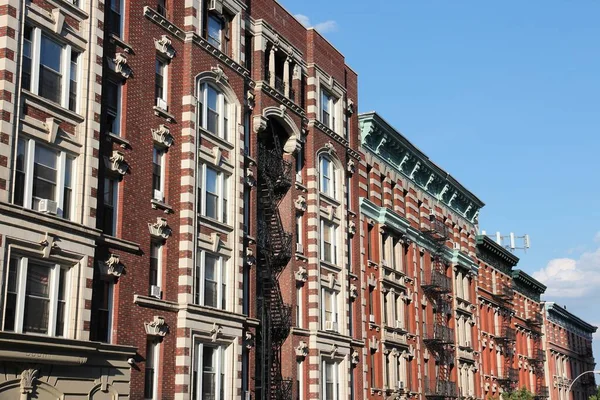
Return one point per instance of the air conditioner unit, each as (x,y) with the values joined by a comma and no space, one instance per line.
(372,318)
(467,344)
(400,385)
(331,326)
(155,291)
(456,246)
(162,104)
(299,248)
(398,324)
(215,5)
(384,263)
(247,395)
(158,195)
(48,206)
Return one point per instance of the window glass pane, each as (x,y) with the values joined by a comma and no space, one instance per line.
(154,254)
(159,80)
(210,281)
(225,121)
(149,372)
(44,174)
(73,83)
(51,53)
(157,170)
(50,85)
(212,113)
(68,189)
(27,45)
(20,172)
(212,194)
(208,373)
(37,300)
(61,303)
(214,31)
(11,295)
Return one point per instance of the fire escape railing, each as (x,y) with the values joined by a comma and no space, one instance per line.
(275,251)
(438,335)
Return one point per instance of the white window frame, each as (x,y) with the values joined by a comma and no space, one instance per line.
(21,286)
(159,261)
(155,358)
(223,189)
(161,155)
(62,158)
(36,59)
(299,229)
(332,103)
(222,277)
(121,17)
(299,306)
(331,178)
(334,307)
(223,361)
(300,379)
(335,377)
(334,241)
(224,111)
(115,183)
(299,162)
(110,295)
(118,114)
(165,87)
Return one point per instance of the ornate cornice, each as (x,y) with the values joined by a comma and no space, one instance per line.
(495,255)
(381,139)
(527,285)
(559,315)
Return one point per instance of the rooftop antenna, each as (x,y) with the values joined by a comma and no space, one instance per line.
(511,241)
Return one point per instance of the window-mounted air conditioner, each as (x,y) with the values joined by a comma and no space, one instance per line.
(162,104)
(48,206)
(158,195)
(398,324)
(299,248)
(155,291)
(467,344)
(216,6)
(400,385)
(331,326)
(372,318)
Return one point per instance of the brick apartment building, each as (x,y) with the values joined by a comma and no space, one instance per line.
(234,230)
(568,345)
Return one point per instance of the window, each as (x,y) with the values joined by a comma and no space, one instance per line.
(211,281)
(328,242)
(214,111)
(44,179)
(160,84)
(112,92)
(151,375)
(299,380)
(299,241)
(299,306)
(158,174)
(50,68)
(115,17)
(330,310)
(109,223)
(155,278)
(218,31)
(328,177)
(299,164)
(102,321)
(331,381)
(209,372)
(161,7)
(328,110)
(213,194)
(36,297)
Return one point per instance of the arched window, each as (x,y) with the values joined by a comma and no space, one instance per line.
(213,111)
(329,177)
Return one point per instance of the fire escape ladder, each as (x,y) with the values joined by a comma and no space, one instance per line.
(274,253)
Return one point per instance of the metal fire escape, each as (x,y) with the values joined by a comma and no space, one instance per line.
(274,252)
(439,337)
(535,322)
(510,375)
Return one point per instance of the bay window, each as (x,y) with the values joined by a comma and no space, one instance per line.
(44,178)
(328,174)
(331,383)
(50,68)
(214,111)
(211,281)
(213,192)
(209,366)
(36,297)
(329,242)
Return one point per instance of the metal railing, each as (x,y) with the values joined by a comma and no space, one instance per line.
(438,333)
(437,281)
(435,387)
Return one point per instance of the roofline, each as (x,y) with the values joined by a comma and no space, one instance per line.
(497,250)
(554,307)
(522,275)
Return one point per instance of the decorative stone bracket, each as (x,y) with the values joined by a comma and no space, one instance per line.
(116,163)
(160,229)
(333,351)
(353,291)
(300,204)
(52,125)
(157,327)
(49,245)
(374,343)
(250,99)
(162,136)
(58,20)
(215,332)
(219,74)
(350,107)
(165,47)
(354,358)
(249,341)
(302,350)
(28,378)
(301,275)
(351,167)
(250,179)
(352,228)
(112,266)
(119,65)
(250,259)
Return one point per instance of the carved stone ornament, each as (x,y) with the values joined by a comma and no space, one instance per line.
(333,351)
(160,229)
(157,327)
(28,378)
(162,136)
(300,204)
(114,266)
(165,47)
(352,228)
(250,259)
(250,99)
(118,163)
(52,124)
(330,148)
(355,357)
(49,245)
(249,340)
(219,74)
(215,332)
(353,291)
(350,107)
(301,275)
(302,350)
(58,20)
(374,343)
(351,167)
(259,123)
(120,66)
(250,179)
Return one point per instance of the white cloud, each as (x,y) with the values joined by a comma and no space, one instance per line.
(572,278)
(597,237)
(322,27)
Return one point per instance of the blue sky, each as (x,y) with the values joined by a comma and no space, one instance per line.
(506,97)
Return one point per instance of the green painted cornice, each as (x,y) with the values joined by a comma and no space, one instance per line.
(487,245)
(384,216)
(460,258)
(388,144)
(560,315)
(527,285)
